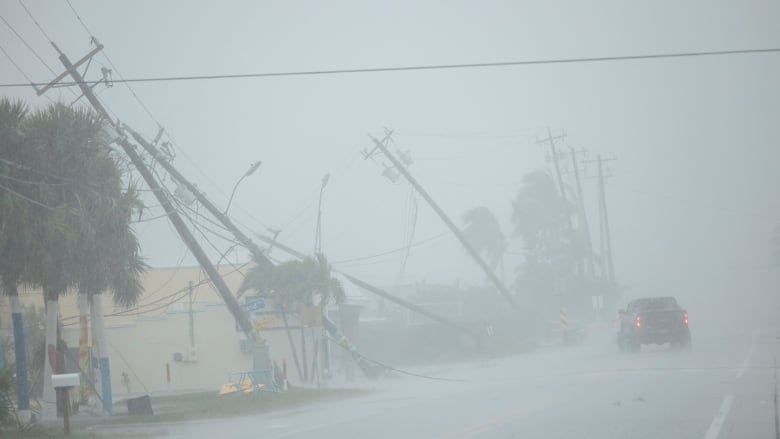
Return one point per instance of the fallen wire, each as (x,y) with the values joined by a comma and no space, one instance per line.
(387,367)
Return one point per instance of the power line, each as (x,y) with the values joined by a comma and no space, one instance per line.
(146,220)
(47,174)
(24,197)
(30,182)
(404,248)
(207,219)
(111,63)
(428,67)
(36,22)
(78,17)
(27,45)
(7,55)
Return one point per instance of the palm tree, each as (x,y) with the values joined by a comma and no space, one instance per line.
(540,218)
(293,285)
(484,234)
(81,175)
(111,262)
(16,240)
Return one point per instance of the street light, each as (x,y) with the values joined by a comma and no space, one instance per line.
(318,233)
(325,362)
(252,168)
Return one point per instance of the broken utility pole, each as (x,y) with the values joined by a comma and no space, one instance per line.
(159,193)
(260,256)
(454,228)
(258,253)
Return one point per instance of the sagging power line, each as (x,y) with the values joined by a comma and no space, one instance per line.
(460,66)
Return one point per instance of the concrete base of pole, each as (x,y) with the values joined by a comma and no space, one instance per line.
(262,366)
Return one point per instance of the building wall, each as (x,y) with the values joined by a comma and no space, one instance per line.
(143,339)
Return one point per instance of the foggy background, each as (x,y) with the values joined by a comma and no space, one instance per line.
(693,197)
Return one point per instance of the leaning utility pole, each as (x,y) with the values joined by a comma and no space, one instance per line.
(260,257)
(258,253)
(159,193)
(554,155)
(454,228)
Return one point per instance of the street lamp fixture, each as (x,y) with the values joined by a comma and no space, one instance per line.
(318,233)
(252,168)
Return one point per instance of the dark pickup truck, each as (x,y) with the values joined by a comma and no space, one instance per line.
(655,320)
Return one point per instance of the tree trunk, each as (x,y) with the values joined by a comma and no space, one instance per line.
(84,347)
(22,383)
(103,362)
(94,356)
(49,401)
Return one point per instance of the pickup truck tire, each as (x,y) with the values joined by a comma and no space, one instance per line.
(622,345)
(685,342)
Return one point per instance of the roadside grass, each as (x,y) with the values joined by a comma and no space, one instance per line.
(203,405)
(45,433)
(210,405)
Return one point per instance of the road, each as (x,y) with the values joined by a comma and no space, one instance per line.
(722,388)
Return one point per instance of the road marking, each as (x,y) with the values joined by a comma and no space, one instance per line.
(746,362)
(717,422)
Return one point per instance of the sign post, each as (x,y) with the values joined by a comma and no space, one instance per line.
(63,382)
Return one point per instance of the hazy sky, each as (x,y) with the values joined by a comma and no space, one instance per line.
(694,194)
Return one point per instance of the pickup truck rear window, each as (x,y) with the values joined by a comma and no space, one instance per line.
(655,304)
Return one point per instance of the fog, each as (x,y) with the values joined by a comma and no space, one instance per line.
(693,192)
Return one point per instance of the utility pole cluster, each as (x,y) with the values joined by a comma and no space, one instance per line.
(162,197)
(605,237)
(574,196)
(185,187)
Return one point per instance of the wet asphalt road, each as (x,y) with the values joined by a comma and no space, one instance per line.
(722,388)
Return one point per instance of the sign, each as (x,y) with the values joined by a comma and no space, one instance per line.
(564,319)
(263,323)
(311,316)
(254,305)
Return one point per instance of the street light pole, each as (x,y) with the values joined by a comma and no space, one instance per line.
(252,168)
(325,363)
(318,232)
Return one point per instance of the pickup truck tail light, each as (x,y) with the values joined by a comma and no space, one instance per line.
(638,321)
(685,318)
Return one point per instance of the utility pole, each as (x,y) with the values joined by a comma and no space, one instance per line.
(605,224)
(554,154)
(188,238)
(583,216)
(566,208)
(324,366)
(454,228)
(258,253)
(159,193)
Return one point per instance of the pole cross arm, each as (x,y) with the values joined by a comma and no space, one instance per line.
(68,70)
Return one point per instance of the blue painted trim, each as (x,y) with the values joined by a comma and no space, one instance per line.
(105,384)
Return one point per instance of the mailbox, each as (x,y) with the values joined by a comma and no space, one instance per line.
(64,380)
